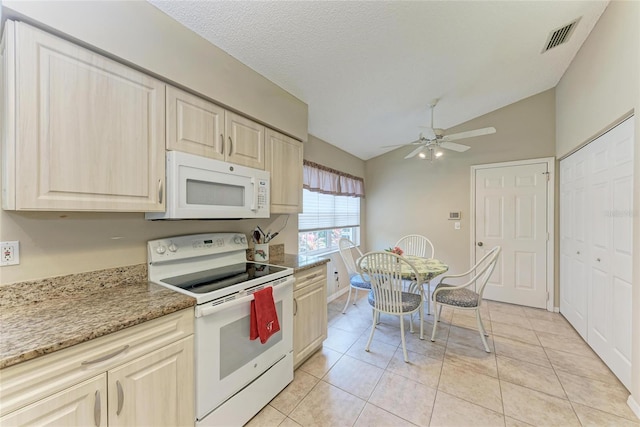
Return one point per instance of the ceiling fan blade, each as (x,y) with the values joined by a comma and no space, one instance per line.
(416,142)
(427,133)
(469,134)
(454,146)
(414,152)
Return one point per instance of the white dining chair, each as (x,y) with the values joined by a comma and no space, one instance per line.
(461,297)
(418,245)
(356,280)
(387,294)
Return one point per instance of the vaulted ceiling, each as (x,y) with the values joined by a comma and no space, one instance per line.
(369,69)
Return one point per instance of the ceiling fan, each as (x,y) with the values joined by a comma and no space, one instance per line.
(432,138)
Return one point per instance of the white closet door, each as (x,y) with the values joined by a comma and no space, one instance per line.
(596,229)
(573,241)
(610,262)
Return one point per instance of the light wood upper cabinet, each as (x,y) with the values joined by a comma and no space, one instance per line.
(194,125)
(284,161)
(89,132)
(200,127)
(246,141)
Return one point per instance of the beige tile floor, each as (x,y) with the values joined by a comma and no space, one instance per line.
(540,372)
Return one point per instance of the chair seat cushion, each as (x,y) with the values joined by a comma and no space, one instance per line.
(358,282)
(410,301)
(457,297)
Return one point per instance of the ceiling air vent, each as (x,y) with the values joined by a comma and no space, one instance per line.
(559,36)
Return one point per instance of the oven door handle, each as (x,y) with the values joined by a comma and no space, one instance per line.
(207,309)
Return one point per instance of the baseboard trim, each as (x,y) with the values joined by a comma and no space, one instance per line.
(337,294)
(635,407)
(556,309)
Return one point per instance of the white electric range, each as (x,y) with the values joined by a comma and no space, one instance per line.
(235,377)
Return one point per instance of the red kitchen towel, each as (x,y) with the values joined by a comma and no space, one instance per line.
(264,317)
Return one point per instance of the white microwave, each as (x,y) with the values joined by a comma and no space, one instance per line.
(203,188)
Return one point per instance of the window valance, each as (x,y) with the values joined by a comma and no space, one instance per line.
(330,181)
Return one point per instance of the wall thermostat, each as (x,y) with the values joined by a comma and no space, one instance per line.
(454,215)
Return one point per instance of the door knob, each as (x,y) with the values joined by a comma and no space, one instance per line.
(480,243)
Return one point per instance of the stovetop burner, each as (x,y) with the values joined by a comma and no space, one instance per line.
(202,282)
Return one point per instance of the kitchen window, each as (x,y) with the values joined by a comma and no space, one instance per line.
(331,209)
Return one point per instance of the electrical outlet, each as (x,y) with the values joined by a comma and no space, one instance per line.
(9,253)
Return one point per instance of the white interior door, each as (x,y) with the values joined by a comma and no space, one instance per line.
(511,211)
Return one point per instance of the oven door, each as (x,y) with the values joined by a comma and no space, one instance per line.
(226,359)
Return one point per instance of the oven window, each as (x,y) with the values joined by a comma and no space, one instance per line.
(237,350)
(214,193)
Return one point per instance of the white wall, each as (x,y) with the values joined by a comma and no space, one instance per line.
(600,86)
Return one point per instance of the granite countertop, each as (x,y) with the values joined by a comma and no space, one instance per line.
(43,316)
(299,262)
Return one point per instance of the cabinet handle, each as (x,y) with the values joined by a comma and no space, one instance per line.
(160,191)
(230,145)
(120,397)
(598,259)
(222,143)
(312,276)
(295,306)
(578,253)
(96,409)
(105,357)
(480,243)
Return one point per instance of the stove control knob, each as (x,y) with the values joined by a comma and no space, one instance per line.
(238,239)
(161,249)
(173,247)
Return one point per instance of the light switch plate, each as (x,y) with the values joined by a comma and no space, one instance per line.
(456,225)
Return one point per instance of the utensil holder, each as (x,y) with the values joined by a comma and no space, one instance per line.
(261,252)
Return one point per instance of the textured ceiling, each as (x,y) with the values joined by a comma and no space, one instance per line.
(369,69)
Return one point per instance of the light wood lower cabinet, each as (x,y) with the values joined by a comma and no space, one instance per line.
(309,313)
(141,376)
(284,161)
(84,404)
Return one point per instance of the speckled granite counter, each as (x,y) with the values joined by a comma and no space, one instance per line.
(299,262)
(43,316)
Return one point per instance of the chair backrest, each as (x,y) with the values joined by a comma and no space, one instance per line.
(384,270)
(345,246)
(484,269)
(415,244)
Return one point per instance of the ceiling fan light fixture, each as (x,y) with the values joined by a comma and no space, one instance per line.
(422,155)
(439,154)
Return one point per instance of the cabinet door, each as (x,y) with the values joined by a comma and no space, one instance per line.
(154,390)
(84,404)
(309,321)
(91,130)
(284,161)
(194,125)
(245,141)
